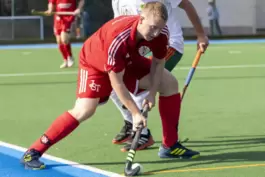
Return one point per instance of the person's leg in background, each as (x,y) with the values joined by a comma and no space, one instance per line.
(57,28)
(212,27)
(86,24)
(218,28)
(65,41)
(173,57)
(78,27)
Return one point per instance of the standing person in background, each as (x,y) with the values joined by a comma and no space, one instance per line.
(62,25)
(78,24)
(83,9)
(213,15)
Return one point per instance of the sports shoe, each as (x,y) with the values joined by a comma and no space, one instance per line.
(64,64)
(124,135)
(145,141)
(70,62)
(31,160)
(177,151)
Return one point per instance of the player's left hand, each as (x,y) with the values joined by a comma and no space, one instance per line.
(149,100)
(203,43)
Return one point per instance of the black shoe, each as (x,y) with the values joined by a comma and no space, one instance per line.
(124,135)
(145,141)
(177,151)
(31,160)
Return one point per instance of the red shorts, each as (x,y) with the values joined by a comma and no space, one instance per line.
(62,24)
(94,84)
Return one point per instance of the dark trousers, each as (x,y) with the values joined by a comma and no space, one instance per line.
(86,24)
(214,24)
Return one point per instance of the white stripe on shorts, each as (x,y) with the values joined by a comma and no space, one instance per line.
(83,80)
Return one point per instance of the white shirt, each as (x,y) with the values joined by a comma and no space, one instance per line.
(212,12)
(133,7)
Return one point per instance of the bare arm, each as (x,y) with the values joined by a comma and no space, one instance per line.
(81,4)
(51,7)
(79,7)
(192,14)
(119,87)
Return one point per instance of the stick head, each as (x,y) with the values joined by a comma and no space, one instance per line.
(129,171)
(33,11)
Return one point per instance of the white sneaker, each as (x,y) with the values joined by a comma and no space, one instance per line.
(64,65)
(70,62)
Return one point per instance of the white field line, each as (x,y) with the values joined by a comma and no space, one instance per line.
(177,68)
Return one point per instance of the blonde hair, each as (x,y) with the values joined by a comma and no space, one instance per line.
(158,9)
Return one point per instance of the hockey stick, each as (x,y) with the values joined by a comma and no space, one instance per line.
(42,13)
(129,171)
(188,80)
(191,72)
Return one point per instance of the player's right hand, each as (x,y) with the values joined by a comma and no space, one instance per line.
(139,119)
(48,12)
(203,43)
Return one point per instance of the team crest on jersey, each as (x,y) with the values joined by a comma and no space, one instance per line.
(94,87)
(143,50)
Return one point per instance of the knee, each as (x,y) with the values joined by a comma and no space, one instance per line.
(65,41)
(58,40)
(65,38)
(173,85)
(169,85)
(82,112)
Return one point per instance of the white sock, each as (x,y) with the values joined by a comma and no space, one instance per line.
(125,112)
(139,101)
(139,98)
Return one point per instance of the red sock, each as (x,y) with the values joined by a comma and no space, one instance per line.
(68,49)
(63,51)
(169,108)
(59,129)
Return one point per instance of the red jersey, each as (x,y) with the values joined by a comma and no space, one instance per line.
(64,5)
(114,45)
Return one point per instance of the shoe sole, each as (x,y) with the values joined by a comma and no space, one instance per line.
(180,157)
(122,141)
(195,156)
(148,144)
(32,168)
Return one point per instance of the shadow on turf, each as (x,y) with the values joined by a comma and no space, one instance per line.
(244,156)
(218,157)
(248,156)
(230,142)
(236,141)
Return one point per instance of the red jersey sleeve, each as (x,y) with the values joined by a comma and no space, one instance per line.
(161,44)
(117,52)
(116,58)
